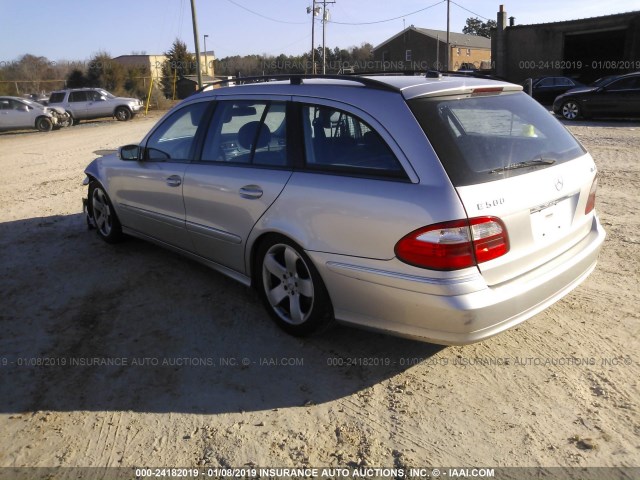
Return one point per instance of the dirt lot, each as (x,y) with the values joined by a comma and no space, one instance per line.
(200,376)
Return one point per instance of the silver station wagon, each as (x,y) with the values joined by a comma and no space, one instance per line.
(442,208)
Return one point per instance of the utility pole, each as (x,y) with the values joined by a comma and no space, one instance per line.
(313,12)
(325,18)
(448,44)
(324,30)
(196,41)
(206,62)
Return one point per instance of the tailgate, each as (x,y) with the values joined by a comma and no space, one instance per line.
(543,212)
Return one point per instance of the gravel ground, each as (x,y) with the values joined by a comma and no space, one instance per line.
(199,376)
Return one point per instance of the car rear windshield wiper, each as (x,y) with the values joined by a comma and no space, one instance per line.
(529,163)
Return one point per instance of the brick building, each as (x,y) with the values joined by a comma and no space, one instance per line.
(585,49)
(152,64)
(426,49)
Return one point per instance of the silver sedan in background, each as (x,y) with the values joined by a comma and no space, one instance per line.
(20,113)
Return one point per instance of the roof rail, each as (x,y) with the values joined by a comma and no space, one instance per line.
(406,73)
(432,73)
(297,79)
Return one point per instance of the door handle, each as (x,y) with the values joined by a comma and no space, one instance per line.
(251,191)
(174,181)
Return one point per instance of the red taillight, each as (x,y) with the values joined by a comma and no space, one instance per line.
(454,245)
(486,91)
(591,200)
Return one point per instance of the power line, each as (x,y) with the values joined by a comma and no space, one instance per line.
(264,16)
(279,50)
(463,8)
(388,19)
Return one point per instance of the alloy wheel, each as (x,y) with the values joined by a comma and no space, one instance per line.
(288,284)
(102,212)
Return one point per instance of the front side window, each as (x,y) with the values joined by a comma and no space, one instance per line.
(93,96)
(625,84)
(478,138)
(247,132)
(173,139)
(104,93)
(340,142)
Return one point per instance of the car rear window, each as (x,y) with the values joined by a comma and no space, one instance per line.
(476,137)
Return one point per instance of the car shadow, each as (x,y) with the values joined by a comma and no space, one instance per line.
(7,133)
(92,326)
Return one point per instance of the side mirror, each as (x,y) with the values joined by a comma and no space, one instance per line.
(130,152)
(23,108)
(102,98)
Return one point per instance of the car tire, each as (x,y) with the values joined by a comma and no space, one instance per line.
(570,110)
(104,215)
(72,121)
(123,114)
(44,124)
(291,288)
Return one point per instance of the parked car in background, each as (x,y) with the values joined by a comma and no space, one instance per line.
(442,208)
(40,98)
(90,103)
(603,80)
(615,97)
(546,89)
(19,113)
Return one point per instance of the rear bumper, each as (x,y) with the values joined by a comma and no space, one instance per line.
(454,311)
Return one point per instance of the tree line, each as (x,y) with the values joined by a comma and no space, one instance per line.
(33,74)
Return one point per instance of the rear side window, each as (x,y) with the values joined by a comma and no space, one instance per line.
(477,137)
(57,97)
(340,142)
(78,96)
(247,132)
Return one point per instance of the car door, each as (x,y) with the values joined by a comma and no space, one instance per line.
(10,117)
(77,104)
(97,105)
(149,192)
(619,98)
(243,168)
(545,90)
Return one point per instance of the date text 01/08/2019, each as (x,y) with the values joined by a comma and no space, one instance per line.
(579,65)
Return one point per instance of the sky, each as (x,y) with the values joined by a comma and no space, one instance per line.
(77,29)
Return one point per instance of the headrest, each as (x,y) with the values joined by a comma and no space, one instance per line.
(247,135)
